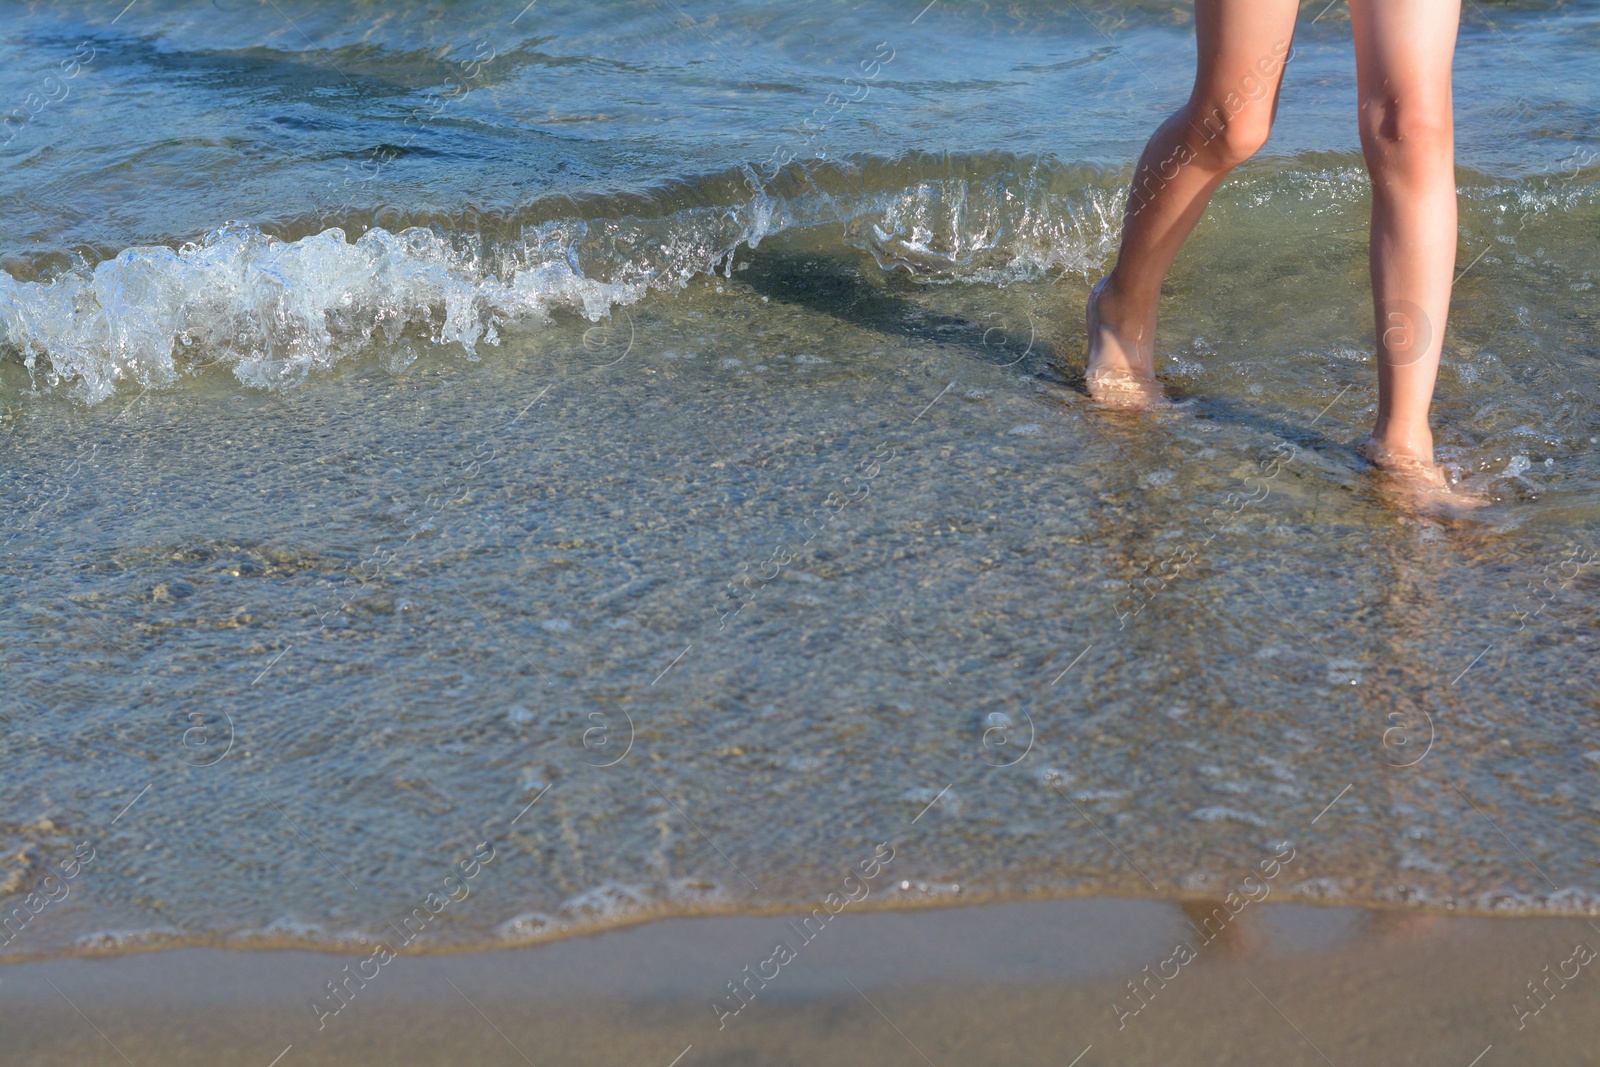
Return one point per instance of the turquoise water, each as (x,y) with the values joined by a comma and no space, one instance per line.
(648,439)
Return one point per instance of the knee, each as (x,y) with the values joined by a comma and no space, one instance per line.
(1412,136)
(1225,136)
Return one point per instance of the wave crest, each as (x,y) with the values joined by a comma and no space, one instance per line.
(274,310)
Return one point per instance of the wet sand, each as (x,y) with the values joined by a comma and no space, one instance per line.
(1036,982)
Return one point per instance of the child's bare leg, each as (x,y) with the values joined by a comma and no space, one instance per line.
(1403,57)
(1243,46)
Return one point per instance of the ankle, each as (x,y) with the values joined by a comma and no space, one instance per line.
(1123,301)
(1397,445)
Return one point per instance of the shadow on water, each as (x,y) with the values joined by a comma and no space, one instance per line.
(834,285)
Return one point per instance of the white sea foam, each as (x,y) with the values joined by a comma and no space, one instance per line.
(274,311)
(1217,813)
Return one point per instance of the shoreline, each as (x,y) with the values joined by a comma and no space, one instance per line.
(356,944)
(999,983)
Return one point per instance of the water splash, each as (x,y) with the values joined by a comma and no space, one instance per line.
(275,310)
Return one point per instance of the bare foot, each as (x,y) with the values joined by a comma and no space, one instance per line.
(1121,371)
(1415,483)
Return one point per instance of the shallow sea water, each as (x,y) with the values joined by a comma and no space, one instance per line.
(688,533)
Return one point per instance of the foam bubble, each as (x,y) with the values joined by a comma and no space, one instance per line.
(1216,813)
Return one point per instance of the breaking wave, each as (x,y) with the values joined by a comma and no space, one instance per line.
(275,307)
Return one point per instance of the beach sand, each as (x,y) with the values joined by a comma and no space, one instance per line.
(1033,982)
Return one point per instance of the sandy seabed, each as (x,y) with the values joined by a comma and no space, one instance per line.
(1050,982)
